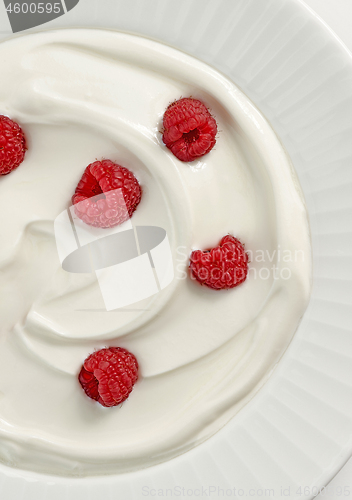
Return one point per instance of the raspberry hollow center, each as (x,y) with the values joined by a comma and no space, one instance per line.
(189,129)
(191,136)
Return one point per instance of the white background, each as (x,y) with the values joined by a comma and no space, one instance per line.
(337,14)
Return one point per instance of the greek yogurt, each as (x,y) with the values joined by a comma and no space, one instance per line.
(81,95)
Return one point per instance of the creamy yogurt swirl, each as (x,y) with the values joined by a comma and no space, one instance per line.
(82,95)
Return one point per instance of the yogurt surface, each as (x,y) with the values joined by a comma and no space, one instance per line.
(82,95)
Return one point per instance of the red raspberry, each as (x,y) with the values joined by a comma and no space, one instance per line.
(12,145)
(222,267)
(189,129)
(109,375)
(104,178)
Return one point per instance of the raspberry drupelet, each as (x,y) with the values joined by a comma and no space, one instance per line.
(120,190)
(222,267)
(12,145)
(108,375)
(189,129)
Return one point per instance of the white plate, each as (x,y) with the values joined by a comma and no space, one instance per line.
(297,431)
